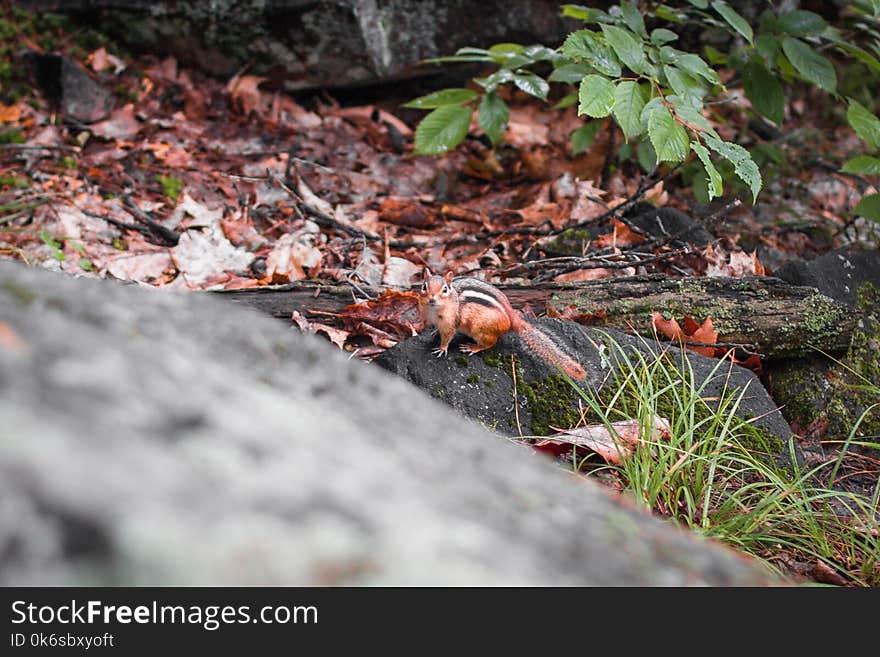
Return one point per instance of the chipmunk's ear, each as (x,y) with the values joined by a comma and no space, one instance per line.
(448,277)
(426,273)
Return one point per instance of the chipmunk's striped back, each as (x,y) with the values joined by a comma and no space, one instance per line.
(483,312)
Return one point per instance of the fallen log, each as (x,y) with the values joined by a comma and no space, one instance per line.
(760,314)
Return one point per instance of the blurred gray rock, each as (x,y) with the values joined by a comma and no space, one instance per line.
(151,438)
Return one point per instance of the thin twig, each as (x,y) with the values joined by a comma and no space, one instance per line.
(34,147)
(157,229)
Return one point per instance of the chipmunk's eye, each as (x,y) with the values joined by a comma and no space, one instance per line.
(425,286)
(445,289)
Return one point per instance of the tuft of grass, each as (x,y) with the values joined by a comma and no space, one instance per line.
(710,477)
(171,186)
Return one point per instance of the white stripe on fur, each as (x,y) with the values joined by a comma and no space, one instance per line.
(473,294)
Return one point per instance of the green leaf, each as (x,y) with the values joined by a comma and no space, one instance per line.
(768,47)
(695,65)
(811,65)
(661,36)
(566,101)
(866,125)
(715,185)
(442,98)
(695,120)
(571,73)
(733,19)
(584,137)
(801,23)
(699,4)
(585,14)
(743,164)
(684,85)
(632,17)
(651,106)
(493,116)
(646,156)
(514,48)
(764,91)
(442,130)
(864,164)
(629,101)
(493,81)
(869,207)
(595,96)
(862,55)
(669,138)
(627,47)
(590,47)
(669,14)
(532,84)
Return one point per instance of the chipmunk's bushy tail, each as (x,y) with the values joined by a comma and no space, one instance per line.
(543,345)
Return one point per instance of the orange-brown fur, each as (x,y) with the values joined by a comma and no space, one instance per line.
(484,313)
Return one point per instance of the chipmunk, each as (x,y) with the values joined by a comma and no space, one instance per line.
(483,312)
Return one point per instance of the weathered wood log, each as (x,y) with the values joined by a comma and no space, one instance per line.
(762,314)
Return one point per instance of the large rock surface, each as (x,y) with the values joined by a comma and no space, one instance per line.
(152,438)
(311,43)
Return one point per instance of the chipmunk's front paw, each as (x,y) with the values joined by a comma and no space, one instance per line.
(439,351)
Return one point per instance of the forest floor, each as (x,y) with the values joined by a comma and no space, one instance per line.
(197,184)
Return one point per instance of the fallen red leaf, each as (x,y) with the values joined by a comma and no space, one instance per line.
(395,312)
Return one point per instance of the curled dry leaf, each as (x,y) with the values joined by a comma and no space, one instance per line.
(703,333)
(400,272)
(394,312)
(292,254)
(593,274)
(121,125)
(139,266)
(406,212)
(245,92)
(337,336)
(621,235)
(10,113)
(101,59)
(614,444)
(735,264)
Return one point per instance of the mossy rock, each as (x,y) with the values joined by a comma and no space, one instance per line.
(529,397)
(837,392)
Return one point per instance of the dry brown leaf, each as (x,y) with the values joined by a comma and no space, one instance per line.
(406,212)
(400,272)
(395,312)
(613,445)
(621,235)
(593,274)
(337,336)
(735,264)
(139,266)
(9,113)
(825,574)
(245,93)
(101,59)
(702,333)
(121,125)
(292,254)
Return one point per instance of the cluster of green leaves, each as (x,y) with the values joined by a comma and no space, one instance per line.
(867,126)
(655,92)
